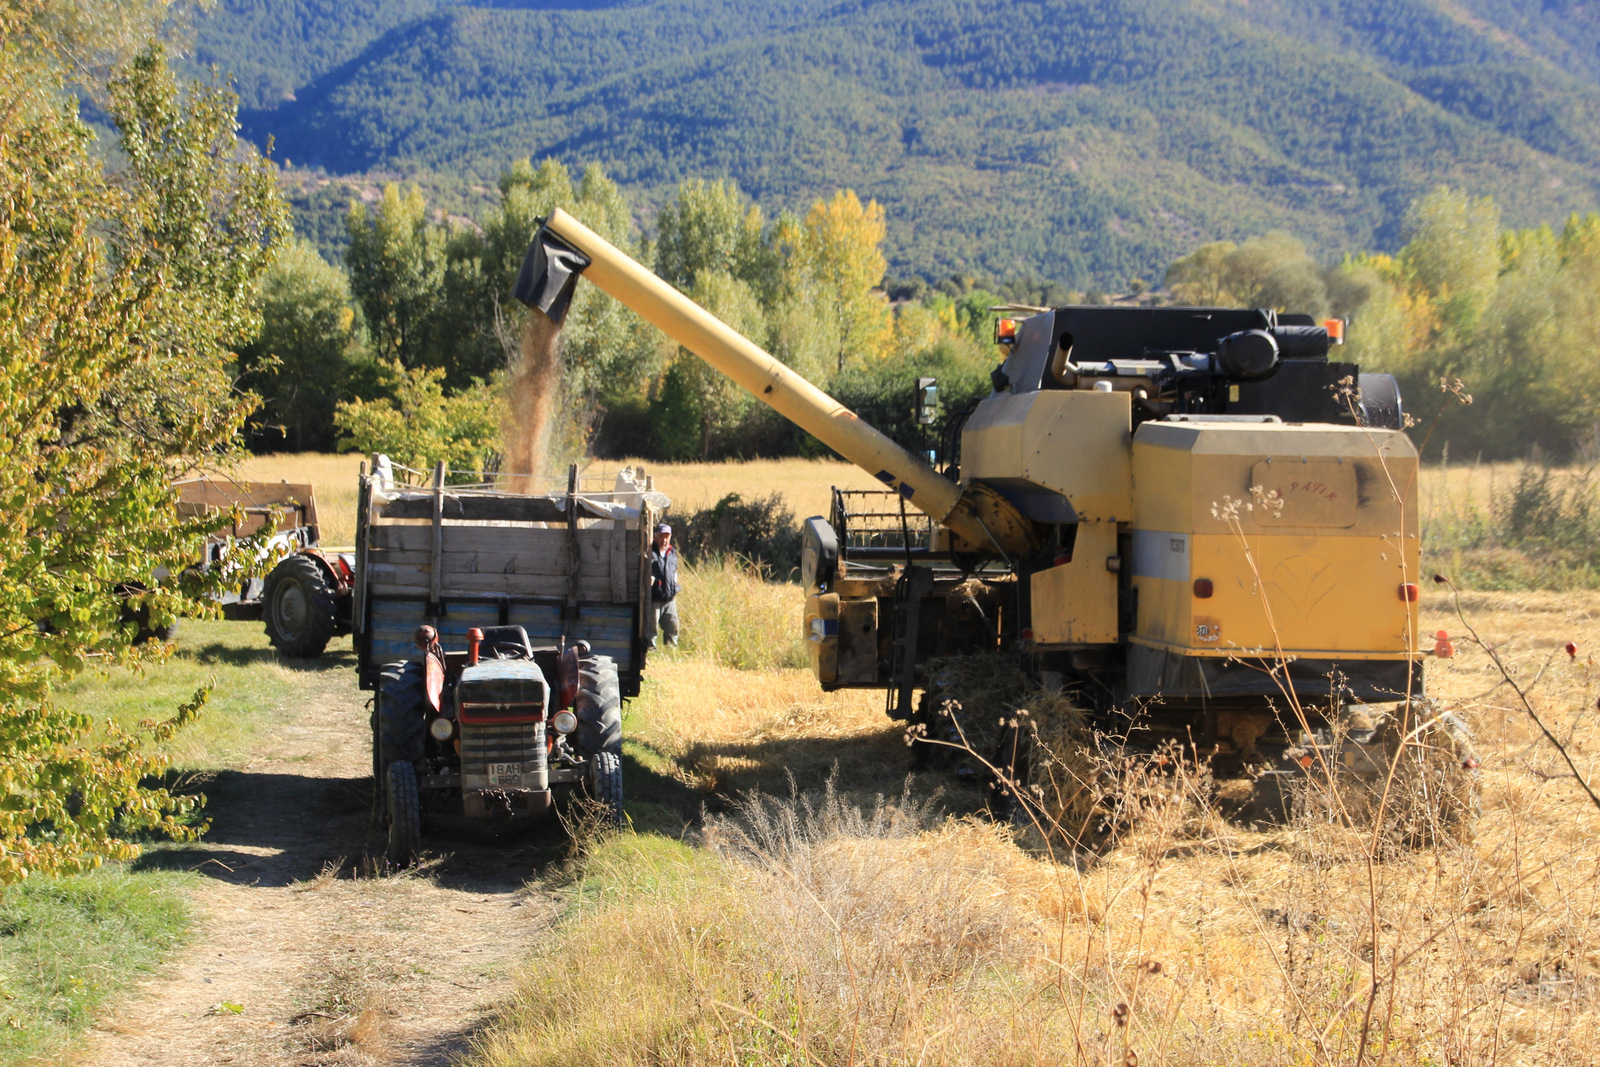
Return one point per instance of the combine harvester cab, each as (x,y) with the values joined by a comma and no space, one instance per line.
(501,632)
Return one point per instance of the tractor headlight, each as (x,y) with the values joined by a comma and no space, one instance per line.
(565,722)
(442,729)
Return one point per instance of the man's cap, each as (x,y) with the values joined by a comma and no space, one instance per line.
(663,528)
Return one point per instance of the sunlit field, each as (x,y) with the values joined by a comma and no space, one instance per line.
(831,931)
(806,929)
(805,484)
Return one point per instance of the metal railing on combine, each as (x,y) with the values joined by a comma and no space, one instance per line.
(876,524)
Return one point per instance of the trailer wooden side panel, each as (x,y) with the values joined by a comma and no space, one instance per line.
(583,580)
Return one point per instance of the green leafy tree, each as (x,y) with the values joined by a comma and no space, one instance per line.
(835,257)
(396,261)
(1452,254)
(120,301)
(699,408)
(711,226)
(308,353)
(417,424)
(1273,270)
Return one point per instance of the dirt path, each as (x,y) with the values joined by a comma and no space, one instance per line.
(302,957)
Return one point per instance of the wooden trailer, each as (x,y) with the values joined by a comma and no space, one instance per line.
(567,567)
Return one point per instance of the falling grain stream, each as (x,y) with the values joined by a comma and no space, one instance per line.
(531,391)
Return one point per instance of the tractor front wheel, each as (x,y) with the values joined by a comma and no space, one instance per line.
(405,814)
(605,784)
(298,605)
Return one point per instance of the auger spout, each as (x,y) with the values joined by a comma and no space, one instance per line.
(565,248)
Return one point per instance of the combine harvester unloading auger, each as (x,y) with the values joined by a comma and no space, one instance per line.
(1190,521)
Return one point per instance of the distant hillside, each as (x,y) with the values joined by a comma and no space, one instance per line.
(1088,141)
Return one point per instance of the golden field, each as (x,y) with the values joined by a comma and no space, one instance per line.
(805,929)
(806,485)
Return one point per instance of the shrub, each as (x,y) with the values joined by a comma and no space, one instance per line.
(763,532)
(1542,531)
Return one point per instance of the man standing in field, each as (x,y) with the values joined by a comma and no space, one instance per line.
(663,587)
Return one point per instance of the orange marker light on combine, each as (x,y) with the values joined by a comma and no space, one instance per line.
(1202,588)
(1335,328)
(1409,592)
(1005,332)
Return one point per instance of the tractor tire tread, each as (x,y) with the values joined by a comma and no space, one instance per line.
(321,607)
(598,707)
(605,784)
(405,815)
(398,714)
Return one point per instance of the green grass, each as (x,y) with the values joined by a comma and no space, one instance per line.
(254,691)
(732,617)
(68,945)
(1538,529)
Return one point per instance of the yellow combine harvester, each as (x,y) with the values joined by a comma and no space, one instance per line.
(1193,521)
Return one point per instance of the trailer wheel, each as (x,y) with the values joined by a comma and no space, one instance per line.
(605,784)
(397,716)
(405,814)
(598,706)
(144,632)
(298,606)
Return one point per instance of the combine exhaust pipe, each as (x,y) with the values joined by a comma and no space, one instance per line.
(564,248)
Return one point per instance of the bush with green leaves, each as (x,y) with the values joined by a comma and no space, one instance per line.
(122,300)
(418,424)
(761,532)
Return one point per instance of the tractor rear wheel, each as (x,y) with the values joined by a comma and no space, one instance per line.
(605,784)
(297,603)
(405,814)
(598,706)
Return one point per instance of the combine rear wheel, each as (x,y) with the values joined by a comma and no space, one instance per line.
(1415,778)
(297,603)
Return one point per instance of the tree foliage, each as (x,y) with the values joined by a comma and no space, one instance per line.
(835,259)
(308,353)
(1511,314)
(1273,270)
(120,296)
(396,260)
(417,424)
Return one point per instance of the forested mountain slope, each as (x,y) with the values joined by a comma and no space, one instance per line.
(1086,141)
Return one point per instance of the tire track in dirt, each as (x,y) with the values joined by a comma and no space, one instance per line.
(301,956)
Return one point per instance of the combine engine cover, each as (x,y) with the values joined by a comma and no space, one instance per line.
(1257,540)
(501,707)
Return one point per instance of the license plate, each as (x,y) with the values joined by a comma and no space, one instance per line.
(505,773)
